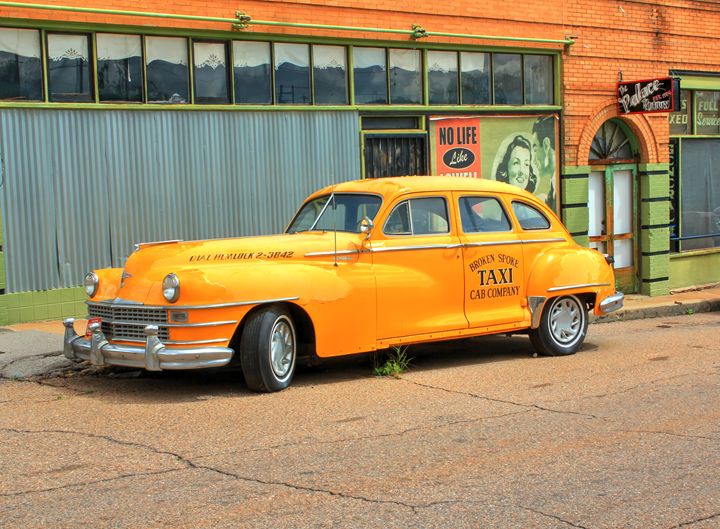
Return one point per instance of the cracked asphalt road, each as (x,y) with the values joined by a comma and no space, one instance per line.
(477,434)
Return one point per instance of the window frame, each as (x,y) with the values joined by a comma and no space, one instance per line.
(92,66)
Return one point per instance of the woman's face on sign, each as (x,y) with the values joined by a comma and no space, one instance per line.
(518,171)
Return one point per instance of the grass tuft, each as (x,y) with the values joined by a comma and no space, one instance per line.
(397,362)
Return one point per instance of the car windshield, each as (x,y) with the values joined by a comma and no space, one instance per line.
(336,212)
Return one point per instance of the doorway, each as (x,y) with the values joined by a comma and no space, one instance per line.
(612,202)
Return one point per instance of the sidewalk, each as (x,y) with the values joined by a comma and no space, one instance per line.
(35,349)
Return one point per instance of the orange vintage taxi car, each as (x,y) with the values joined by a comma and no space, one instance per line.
(362,266)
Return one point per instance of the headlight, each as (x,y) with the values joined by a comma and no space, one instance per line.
(91,283)
(171,287)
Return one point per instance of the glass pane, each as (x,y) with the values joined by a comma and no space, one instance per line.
(596,203)
(398,223)
(167,69)
(680,119)
(700,193)
(529,217)
(538,79)
(405,78)
(292,74)
(707,116)
(429,216)
(20,65)
(507,80)
(599,246)
(482,214)
(330,75)
(119,63)
(211,76)
(251,67)
(442,77)
(623,253)
(69,68)
(622,202)
(475,78)
(370,72)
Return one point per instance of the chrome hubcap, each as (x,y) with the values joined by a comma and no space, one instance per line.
(566,321)
(282,348)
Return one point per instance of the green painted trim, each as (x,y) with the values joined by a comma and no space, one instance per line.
(699,82)
(575,170)
(396,109)
(643,167)
(235,35)
(24,307)
(43,73)
(700,267)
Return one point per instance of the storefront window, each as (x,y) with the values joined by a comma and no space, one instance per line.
(707,116)
(292,74)
(251,68)
(700,193)
(69,74)
(507,79)
(370,72)
(680,119)
(119,64)
(167,70)
(211,75)
(329,75)
(405,77)
(475,78)
(20,65)
(538,79)
(442,77)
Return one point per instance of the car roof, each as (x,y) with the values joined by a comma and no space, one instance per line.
(408,184)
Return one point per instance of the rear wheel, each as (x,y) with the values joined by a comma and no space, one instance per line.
(563,327)
(268,349)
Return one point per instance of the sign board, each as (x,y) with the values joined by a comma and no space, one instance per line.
(647,96)
(457,147)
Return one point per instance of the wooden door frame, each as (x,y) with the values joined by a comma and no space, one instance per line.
(626,279)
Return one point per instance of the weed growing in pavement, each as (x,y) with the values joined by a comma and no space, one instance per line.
(690,312)
(396,362)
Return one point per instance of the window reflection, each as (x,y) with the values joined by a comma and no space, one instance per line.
(251,68)
(475,78)
(329,75)
(20,65)
(119,66)
(507,79)
(211,76)
(167,70)
(442,77)
(538,79)
(405,79)
(292,73)
(370,72)
(69,68)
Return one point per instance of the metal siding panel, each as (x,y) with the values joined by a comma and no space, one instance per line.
(80,187)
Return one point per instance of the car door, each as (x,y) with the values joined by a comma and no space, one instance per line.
(418,268)
(493,268)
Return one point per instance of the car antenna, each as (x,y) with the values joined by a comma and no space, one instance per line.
(334,206)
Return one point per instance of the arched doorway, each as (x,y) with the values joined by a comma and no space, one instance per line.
(612,200)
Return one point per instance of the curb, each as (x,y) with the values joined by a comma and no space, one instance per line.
(678,308)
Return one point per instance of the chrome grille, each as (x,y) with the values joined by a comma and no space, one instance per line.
(126,322)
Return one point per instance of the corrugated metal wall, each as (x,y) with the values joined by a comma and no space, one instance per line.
(79,187)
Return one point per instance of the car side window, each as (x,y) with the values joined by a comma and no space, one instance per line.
(482,214)
(419,216)
(529,217)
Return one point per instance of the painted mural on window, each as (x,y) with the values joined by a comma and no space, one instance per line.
(517,150)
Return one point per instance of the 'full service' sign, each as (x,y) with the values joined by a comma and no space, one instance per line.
(653,95)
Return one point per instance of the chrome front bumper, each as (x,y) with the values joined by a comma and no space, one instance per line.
(153,356)
(612,303)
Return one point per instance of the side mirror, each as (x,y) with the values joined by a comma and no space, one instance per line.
(366,226)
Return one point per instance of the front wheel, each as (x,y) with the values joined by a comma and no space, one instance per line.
(563,327)
(268,349)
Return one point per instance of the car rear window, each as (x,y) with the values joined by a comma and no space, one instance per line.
(529,217)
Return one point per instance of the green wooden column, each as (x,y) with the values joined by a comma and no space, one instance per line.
(654,229)
(574,202)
